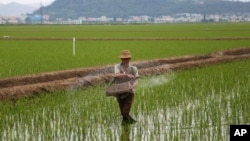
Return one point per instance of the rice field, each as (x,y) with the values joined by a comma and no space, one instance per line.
(196,104)
(20,57)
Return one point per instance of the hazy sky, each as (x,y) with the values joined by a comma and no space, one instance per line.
(47,1)
(26,1)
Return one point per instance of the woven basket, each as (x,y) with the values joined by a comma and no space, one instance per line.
(117,89)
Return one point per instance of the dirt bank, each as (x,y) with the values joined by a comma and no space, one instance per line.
(31,85)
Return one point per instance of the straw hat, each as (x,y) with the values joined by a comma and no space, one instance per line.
(125,54)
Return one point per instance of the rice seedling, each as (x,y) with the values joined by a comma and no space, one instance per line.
(21,57)
(187,105)
(196,104)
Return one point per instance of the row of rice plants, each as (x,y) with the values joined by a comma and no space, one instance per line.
(29,57)
(197,104)
(20,57)
(129,31)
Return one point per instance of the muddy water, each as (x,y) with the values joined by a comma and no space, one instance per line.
(196,119)
(86,118)
(181,122)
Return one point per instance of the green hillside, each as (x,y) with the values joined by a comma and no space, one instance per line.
(72,9)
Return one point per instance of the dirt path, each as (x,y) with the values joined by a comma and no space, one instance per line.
(31,85)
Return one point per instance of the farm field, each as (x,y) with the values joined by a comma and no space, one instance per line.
(195,104)
(50,51)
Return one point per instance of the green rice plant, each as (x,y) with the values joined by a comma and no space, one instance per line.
(197,104)
(21,57)
(208,105)
(26,57)
(125,31)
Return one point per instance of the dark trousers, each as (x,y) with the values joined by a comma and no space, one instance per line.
(125,102)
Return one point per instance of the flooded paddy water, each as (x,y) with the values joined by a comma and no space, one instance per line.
(178,98)
(186,105)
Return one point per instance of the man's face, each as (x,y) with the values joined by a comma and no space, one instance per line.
(125,60)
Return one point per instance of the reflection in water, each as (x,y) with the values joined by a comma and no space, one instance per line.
(125,133)
(193,119)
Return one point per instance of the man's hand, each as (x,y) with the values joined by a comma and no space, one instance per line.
(130,76)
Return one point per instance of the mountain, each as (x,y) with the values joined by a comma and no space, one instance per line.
(15,9)
(73,9)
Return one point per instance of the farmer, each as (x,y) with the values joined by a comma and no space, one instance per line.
(127,72)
